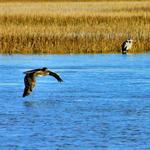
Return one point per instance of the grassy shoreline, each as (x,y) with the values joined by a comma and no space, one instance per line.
(4,1)
(75,27)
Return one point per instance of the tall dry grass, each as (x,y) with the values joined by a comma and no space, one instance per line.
(75,27)
(3,1)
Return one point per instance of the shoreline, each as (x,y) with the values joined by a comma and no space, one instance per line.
(62,28)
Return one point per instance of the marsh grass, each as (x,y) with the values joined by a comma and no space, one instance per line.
(75,27)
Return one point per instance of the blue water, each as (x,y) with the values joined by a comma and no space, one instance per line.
(103,103)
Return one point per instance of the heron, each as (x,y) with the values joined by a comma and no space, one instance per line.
(30,78)
(126,45)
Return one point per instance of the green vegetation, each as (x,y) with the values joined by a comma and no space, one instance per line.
(74,27)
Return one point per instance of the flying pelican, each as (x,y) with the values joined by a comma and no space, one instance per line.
(126,45)
(29,79)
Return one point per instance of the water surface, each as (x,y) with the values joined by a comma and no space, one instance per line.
(103,103)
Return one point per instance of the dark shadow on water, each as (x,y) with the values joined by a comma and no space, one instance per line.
(28,103)
(41,103)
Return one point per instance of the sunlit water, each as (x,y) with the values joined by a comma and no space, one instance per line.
(103,103)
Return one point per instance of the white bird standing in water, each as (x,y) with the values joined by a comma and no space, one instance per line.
(126,45)
(30,76)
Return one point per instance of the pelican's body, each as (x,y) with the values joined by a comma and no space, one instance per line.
(30,78)
(126,45)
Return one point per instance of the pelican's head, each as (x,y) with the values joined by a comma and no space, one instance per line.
(44,68)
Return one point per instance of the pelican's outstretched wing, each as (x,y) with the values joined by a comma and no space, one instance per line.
(36,72)
(32,71)
(29,84)
(55,76)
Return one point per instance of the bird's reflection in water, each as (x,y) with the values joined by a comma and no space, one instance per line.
(42,103)
(29,103)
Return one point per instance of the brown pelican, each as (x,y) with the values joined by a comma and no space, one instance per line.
(29,79)
(126,45)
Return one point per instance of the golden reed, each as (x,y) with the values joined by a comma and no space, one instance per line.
(74,27)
